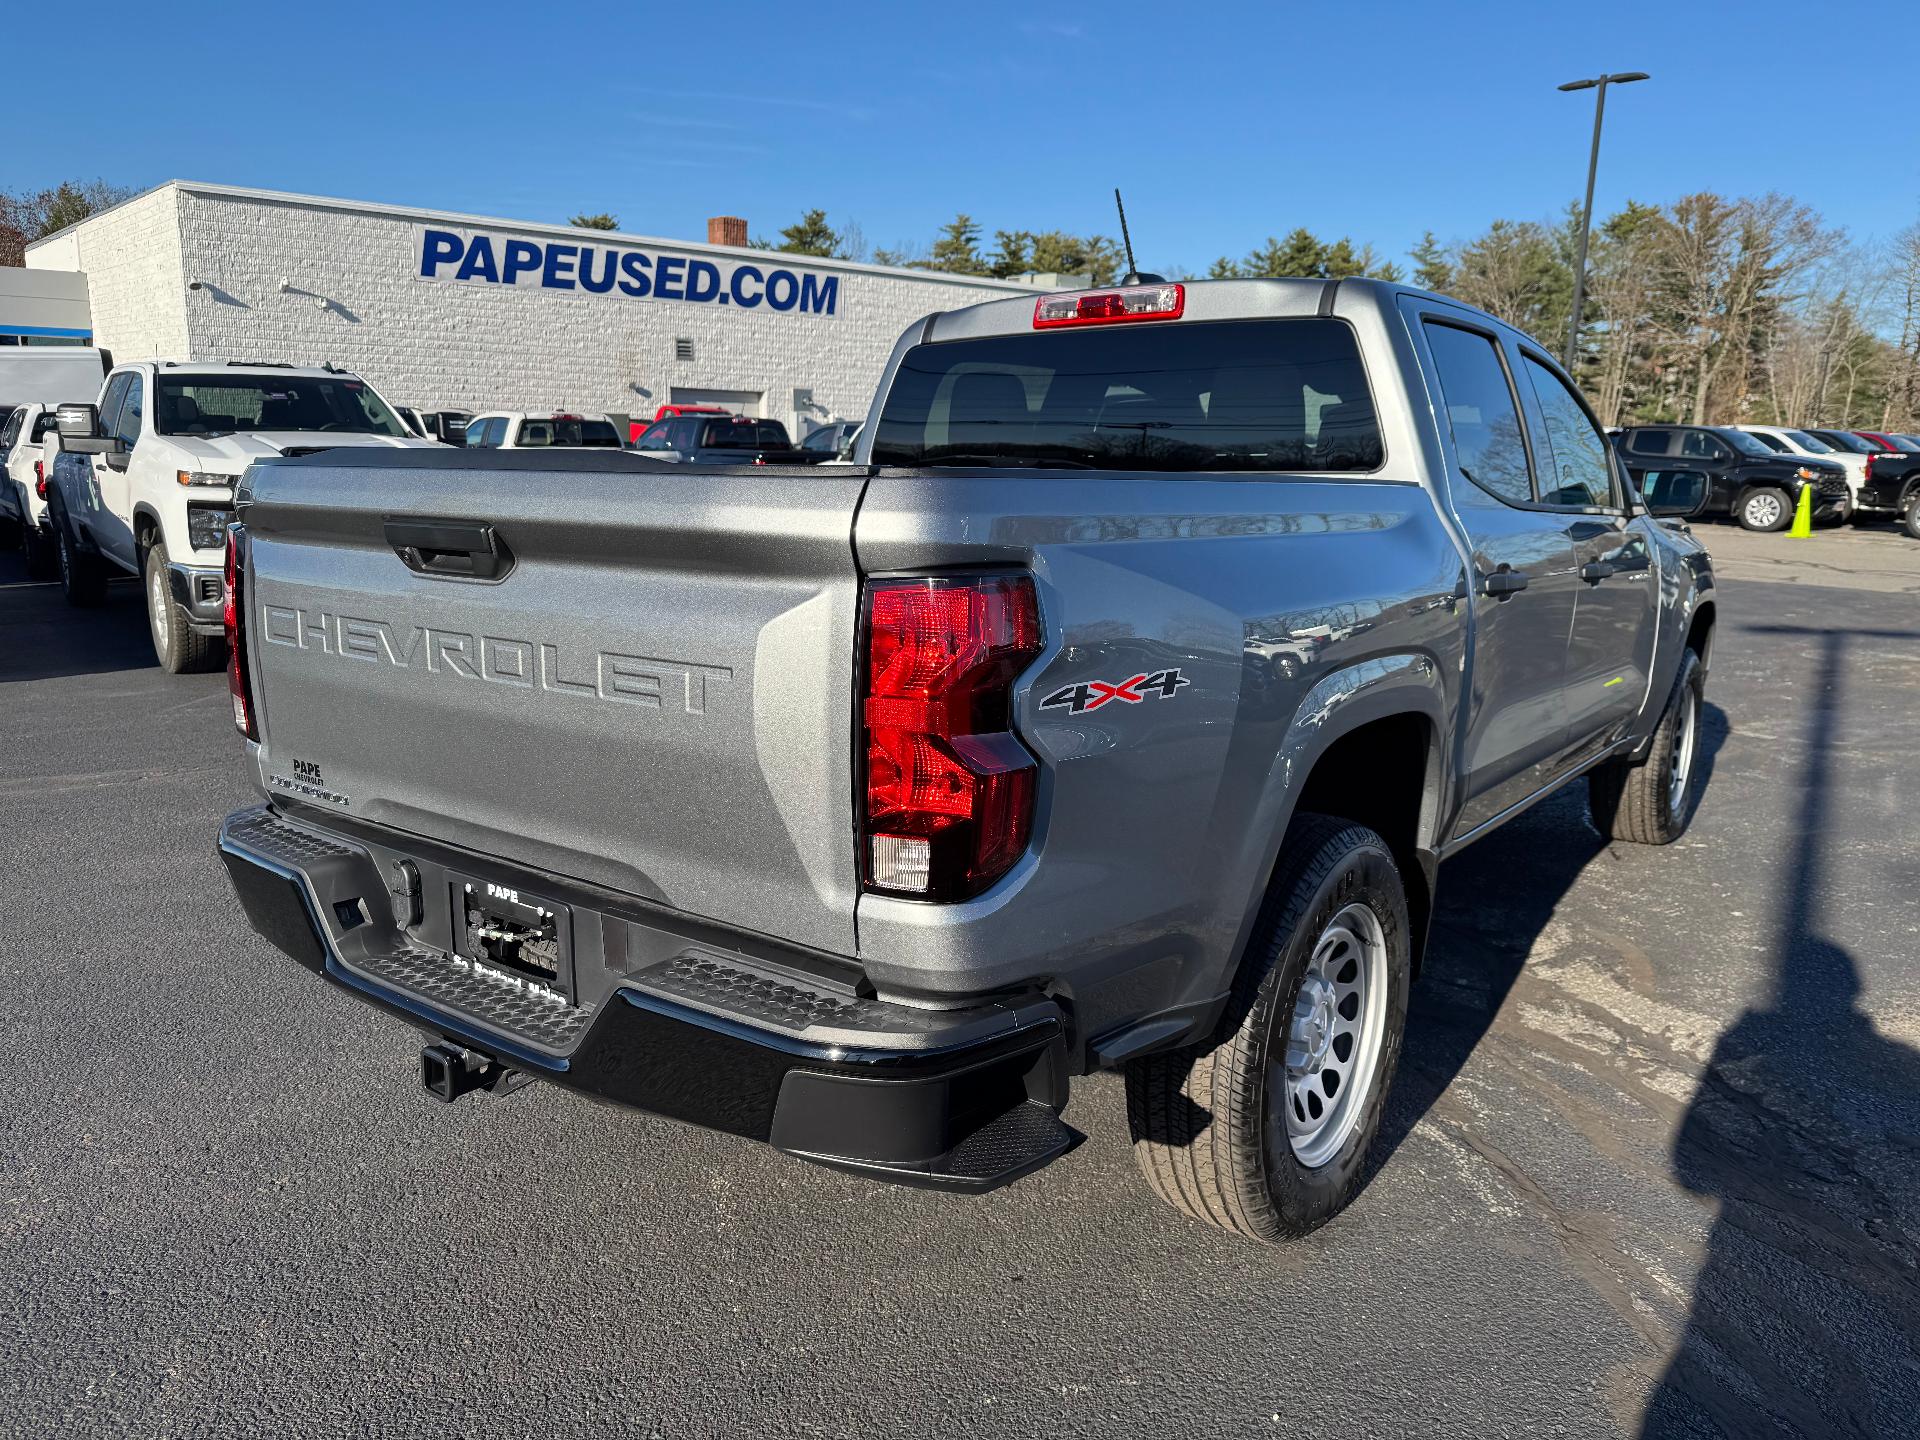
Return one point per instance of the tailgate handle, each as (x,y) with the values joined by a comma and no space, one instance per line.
(454,549)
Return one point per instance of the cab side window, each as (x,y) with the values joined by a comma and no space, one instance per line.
(654,437)
(1698,445)
(1482,412)
(126,429)
(1649,442)
(1575,468)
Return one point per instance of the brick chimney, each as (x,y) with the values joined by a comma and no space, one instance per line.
(727,230)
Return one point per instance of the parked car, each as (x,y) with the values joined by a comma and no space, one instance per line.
(539,430)
(33,380)
(724,440)
(833,441)
(1785,440)
(1891,487)
(23,485)
(858,816)
(667,412)
(146,483)
(1709,470)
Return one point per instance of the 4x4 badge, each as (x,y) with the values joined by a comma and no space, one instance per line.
(1092,694)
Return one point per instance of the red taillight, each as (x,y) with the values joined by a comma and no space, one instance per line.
(235,616)
(40,478)
(949,791)
(1867,474)
(1104,307)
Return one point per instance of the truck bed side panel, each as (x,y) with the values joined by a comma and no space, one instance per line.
(1153,831)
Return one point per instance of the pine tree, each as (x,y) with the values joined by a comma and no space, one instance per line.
(1012,253)
(809,235)
(957,251)
(1430,268)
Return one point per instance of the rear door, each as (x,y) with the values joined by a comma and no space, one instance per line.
(653,694)
(1524,572)
(1610,655)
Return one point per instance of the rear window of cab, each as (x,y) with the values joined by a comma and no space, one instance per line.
(1221,395)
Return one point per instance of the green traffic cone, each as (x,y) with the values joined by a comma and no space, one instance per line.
(1803,516)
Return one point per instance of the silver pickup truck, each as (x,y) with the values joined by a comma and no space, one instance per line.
(1113,709)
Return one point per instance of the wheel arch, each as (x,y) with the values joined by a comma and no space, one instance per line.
(146,524)
(1369,744)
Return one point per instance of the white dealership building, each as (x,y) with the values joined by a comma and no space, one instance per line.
(464,312)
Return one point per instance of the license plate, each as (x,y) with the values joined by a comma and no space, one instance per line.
(513,935)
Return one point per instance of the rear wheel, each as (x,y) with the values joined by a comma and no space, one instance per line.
(1265,1131)
(83,580)
(1910,516)
(1765,509)
(1652,803)
(179,648)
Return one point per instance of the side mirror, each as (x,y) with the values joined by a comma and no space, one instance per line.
(77,422)
(1673,492)
(79,429)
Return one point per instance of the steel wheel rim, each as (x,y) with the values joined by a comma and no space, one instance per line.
(1764,510)
(157,607)
(1685,735)
(1319,1085)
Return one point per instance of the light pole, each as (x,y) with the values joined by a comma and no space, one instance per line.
(1599,84)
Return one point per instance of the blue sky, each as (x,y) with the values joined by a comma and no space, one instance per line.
(1222,124)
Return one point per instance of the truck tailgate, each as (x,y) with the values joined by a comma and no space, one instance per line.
(656,695)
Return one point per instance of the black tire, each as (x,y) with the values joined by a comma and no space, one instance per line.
(178,647)
(1910,516)
(1774,505)
(83,579)
(11,530)
(1638,802)
(1205,1127)
(37,545)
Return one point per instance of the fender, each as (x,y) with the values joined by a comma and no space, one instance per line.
(1682,598)
(1378,688)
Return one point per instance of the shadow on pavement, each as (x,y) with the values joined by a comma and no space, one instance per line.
(42,637)
(1806,1316)
(1494,901)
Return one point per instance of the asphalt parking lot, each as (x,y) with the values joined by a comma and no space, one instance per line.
(1651,1166)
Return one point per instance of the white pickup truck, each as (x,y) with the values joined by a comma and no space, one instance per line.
(145,480)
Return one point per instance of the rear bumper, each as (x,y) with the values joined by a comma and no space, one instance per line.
(962,1099)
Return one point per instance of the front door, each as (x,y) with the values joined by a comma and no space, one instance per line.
(109,518)
(1522,577)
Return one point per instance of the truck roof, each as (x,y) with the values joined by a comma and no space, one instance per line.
(253,367)
(1203,300)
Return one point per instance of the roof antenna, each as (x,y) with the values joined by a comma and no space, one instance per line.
(1133,276)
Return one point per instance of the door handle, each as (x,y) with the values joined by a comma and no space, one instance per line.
(1503,583)
(450,549)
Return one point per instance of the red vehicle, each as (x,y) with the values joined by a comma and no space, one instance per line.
(637,428)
